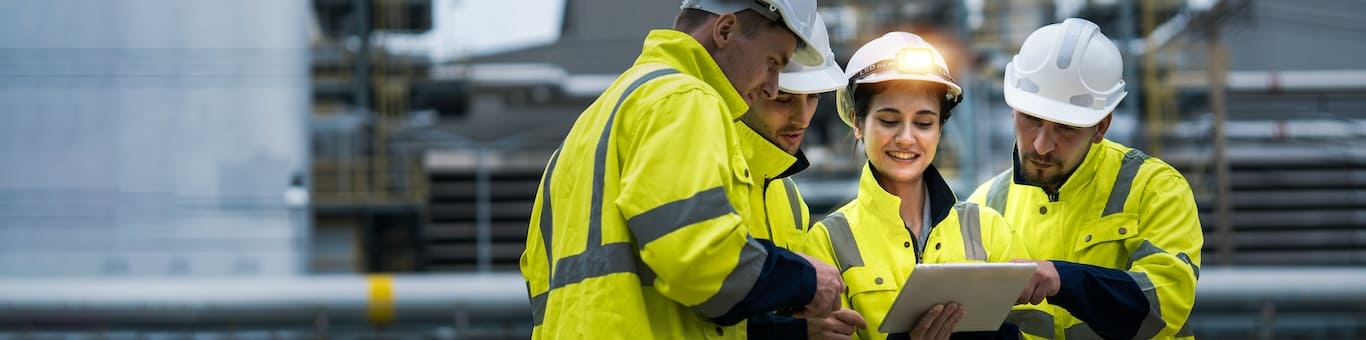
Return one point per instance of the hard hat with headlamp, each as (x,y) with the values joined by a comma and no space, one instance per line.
(802,79)
(1068,73)
(798,15)
(895,56)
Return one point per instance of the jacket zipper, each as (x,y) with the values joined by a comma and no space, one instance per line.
(915,246)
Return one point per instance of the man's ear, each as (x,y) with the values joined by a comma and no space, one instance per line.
(1101,128)
(724,28)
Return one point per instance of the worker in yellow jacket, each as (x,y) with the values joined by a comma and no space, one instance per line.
(1119,229)
(899,96)
(639,229)
(771,134)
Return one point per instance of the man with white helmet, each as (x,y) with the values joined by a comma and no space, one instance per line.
(1118,229)
(771,134)
(641,224)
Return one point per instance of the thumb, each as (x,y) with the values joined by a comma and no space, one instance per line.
(850,317)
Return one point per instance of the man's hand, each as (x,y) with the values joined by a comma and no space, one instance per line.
(1043,284)
(839,325)
(938,323)
(829,287)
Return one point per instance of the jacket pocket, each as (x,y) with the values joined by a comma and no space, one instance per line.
(1102,243)
(870,289)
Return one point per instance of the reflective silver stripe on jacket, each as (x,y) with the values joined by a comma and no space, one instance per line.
(1033,322)
(664,219)
(1153,323)
(999,191)
(970,225)
(842,239)
(794,200)
(1124,181)
(597,259)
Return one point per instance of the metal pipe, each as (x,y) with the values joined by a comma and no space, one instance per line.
(339,301)
(1280,80)
(247,303)
(1247,289)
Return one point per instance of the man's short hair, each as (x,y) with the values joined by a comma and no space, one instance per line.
(750,22)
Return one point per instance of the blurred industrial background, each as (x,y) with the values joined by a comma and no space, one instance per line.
(366,168)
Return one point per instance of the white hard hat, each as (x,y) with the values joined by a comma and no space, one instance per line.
(798,15)
(802,79)
(1068,73)
(895,56)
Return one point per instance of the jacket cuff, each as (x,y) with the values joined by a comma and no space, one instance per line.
(775,289)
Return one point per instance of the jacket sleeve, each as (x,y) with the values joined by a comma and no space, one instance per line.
(676,169)
(775,326)
(1154,294)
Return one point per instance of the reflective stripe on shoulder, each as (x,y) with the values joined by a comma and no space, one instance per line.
(1124,181)
(600,157)
(999,191)
(794,200)
(970,224)
(842,239)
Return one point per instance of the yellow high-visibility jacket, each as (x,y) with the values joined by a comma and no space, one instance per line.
(784,221)
(1126,237)
(639,226)
(785,217)
(868,241)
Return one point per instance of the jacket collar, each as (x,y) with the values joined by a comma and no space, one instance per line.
(766,160)
(879,202)
(1080,178)
(680,51)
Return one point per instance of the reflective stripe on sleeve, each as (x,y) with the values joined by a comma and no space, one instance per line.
(664,219)
(1153,323)
(1033,322)
(738,283)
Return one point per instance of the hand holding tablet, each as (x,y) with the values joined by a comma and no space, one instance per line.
(984,290)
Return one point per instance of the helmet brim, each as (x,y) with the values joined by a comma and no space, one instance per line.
(1052,110)
(816,80)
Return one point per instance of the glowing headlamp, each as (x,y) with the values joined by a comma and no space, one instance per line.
(915,60)
(912,61)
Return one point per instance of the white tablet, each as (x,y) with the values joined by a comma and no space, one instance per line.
(985,290)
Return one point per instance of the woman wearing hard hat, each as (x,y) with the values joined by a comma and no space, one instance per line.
(898,96)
